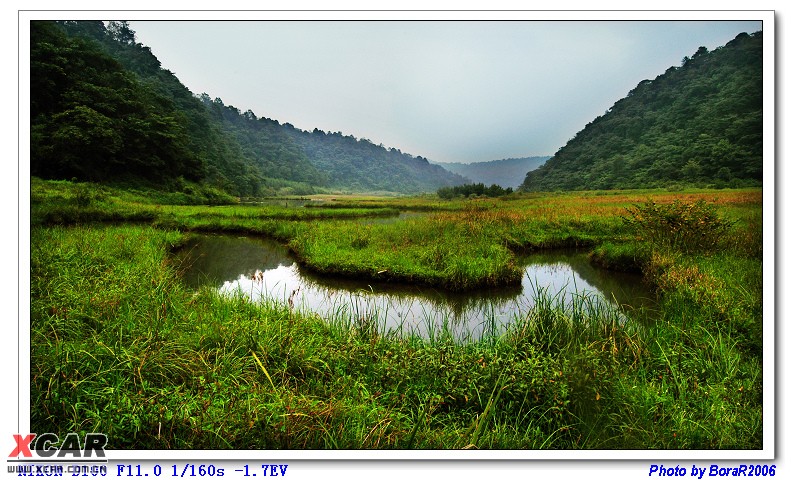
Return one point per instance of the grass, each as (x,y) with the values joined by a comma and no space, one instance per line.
(155,365)
(119,345)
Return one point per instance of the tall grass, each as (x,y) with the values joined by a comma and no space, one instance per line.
(119,345)
(421,250)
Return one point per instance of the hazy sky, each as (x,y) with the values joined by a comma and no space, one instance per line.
(449,91)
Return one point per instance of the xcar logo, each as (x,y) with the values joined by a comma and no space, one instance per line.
(45,445)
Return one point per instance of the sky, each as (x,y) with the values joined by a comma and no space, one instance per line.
(451,91)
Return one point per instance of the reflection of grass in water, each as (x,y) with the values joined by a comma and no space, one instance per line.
(221,258)
(462,315)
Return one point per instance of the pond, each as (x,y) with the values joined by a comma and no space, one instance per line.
(263,269)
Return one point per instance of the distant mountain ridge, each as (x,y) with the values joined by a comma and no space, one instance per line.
(508,172)
(700,124)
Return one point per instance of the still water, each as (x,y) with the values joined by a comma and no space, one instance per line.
(263,269)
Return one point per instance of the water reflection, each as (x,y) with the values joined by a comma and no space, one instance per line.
(263,269)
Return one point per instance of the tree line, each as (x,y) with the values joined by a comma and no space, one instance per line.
(473,189)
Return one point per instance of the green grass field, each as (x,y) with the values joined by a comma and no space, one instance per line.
(119,345)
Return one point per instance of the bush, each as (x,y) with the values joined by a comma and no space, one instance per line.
(688,227)
(85,194)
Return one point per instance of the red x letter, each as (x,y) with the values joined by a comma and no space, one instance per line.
(22,445)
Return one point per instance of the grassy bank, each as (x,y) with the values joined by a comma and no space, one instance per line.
(119,345)
(456,245)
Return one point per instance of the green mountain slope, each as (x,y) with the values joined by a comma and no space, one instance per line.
(170,136)
(698,124)
(103,109)
(329,160)
(359,164)
(93,119)
(508,173)
(265,143)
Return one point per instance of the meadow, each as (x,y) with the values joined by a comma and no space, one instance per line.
(120,345)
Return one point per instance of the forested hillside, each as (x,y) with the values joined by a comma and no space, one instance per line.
(265,142)
(103,109)
(508,173)
(331,160)
(699,124)
(361,165)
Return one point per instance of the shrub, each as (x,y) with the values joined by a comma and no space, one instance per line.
(85,194)
(688,227)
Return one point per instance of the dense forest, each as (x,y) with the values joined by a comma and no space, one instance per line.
(508,173)
(103,109)
(699,124)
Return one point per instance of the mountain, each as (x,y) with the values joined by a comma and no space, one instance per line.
(103,109)
(507,173)
(93,119)
(265,143)
(699,124)
(331,160)
(361,165)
